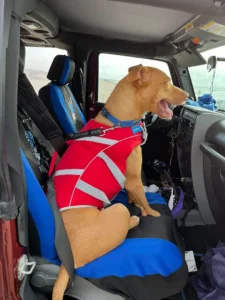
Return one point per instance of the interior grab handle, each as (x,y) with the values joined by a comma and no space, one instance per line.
(215,156)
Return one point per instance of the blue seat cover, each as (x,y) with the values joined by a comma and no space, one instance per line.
(40,211)
(58,97)
(147,256)
(62,111)
(159,256)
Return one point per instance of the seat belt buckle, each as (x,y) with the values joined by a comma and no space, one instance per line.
(25,267)
(108,129)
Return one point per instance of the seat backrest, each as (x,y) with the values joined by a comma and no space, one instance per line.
(41,212)
(58,97)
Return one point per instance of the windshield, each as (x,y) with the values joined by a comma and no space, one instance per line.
(202,79)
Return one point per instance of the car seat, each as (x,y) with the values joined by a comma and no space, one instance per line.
(58,97)
(97,272)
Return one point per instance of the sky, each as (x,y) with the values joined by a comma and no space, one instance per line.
(117,66)
(40,58)
(219,52)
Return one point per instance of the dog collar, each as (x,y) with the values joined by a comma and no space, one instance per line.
(117,122)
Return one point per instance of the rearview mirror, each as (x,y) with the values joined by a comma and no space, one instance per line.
(211,64)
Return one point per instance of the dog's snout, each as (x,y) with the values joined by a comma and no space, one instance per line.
(186,95)
(179,97)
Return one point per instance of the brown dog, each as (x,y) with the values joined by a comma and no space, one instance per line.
(144,89)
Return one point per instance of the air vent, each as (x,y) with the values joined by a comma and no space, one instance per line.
(24,32)
(31,25)
(34,41)
(41,31)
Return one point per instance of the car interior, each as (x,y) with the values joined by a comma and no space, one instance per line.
(95,43)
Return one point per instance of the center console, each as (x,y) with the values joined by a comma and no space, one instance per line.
(193,125)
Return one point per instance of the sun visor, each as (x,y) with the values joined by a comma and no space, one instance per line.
(202,27)
(208,31)
(188,59)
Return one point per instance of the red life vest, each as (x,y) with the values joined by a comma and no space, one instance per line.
(91,171)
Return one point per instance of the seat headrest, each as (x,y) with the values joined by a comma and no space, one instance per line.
(22,56)
(61,70)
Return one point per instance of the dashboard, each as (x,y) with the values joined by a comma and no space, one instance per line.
(197,163)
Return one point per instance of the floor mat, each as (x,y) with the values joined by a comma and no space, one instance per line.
(198,239)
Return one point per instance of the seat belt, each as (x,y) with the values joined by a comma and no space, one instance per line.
(39,151)
(82,88)
(62,243)
(79,90)
(32,104)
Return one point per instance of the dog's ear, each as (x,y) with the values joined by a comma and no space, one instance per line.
(138,75)
(132,68)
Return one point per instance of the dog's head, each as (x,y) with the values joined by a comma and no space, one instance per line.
(154,90)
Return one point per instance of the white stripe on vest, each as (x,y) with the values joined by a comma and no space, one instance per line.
(118,175)
(76,206)
(92,191)
(69,172)
(97,139)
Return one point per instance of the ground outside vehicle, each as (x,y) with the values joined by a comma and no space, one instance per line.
(104,38)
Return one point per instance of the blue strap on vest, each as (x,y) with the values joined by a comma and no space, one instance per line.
(117,122)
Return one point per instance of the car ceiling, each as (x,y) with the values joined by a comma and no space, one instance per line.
(147,21)
(117,20)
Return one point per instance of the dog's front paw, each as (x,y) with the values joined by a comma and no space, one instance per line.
(152,212)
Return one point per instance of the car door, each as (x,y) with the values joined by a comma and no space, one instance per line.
(10,250)
(213,148)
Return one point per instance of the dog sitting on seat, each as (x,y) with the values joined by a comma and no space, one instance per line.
(94,169)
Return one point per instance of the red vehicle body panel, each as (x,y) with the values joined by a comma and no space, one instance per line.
(10,252)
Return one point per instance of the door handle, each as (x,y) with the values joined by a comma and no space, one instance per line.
(208,150)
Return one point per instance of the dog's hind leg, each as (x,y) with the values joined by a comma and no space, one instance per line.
(106,233)
(134,221)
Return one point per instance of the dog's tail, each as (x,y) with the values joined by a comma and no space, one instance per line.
(61,284)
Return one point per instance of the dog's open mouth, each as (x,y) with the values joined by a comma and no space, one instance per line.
(163,110)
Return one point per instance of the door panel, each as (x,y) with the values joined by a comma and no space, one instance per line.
(213,149)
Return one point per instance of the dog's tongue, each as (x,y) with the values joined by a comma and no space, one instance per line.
(166,112)
(164,104)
